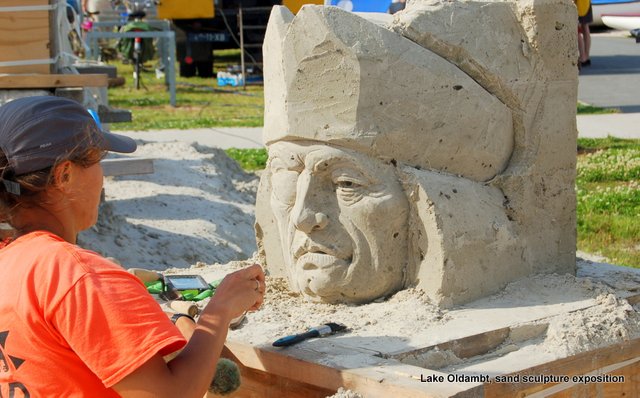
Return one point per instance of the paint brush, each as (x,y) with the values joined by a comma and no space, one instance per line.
(319,331)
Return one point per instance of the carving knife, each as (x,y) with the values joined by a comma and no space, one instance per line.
(319,331)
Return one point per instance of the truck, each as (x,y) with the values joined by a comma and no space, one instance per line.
(208,25)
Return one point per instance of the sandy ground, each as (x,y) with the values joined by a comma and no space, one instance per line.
(196,206)
(195,214)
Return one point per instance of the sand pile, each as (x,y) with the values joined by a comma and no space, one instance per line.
(196,206)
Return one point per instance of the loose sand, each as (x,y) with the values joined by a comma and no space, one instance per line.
(196,206)
(195,215)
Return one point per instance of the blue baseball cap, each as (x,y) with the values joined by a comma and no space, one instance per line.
(37,131)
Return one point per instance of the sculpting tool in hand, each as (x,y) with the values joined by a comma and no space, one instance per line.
(319,331)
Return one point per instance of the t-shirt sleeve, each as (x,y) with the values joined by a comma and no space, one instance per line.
(112,323)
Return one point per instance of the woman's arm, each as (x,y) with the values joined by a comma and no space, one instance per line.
(190,373)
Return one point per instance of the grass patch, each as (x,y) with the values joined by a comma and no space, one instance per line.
(593,144)
(610,165)
(586,109)
(200,102)
(249,159)
(608,199)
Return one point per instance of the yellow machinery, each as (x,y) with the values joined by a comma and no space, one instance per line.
(295,5)
(175,9)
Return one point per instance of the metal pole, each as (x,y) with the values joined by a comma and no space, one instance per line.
(241,26)
(171,61)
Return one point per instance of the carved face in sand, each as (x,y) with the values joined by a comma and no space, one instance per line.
(478,122)
(342,218)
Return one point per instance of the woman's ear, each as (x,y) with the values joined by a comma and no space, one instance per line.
(62,174)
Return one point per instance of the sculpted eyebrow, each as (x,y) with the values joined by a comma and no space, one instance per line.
(287,161)
(330,162)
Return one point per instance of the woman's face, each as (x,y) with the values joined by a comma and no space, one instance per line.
(84,194)
(342,218)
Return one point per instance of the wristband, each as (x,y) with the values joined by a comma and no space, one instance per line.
(178,315)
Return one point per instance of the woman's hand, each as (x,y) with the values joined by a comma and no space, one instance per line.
(239,291)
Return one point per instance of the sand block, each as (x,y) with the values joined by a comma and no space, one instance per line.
(472,96)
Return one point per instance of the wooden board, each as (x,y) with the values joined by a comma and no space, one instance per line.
(630,388)
(277,374)
(126,166)
(52,81)
(25,35)
(581,364)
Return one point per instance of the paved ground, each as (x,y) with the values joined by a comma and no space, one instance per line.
(613,79)
(229,137)
(621,125)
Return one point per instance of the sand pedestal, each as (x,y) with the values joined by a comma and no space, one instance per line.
(554,326)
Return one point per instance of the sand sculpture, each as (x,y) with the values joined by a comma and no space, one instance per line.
(434,148)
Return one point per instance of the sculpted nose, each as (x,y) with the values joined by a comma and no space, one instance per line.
(308,220)
(306,214)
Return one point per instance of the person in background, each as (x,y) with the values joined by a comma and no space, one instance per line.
(73,323)
(93,8)
(396,6)
(584,33)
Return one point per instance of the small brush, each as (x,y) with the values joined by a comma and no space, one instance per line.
(319,331)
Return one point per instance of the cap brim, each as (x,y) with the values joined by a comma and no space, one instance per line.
(119,143)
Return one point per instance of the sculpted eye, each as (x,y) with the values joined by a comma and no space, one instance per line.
(346,184)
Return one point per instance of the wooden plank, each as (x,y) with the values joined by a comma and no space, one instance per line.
(25,35)
(630,387)
(126,166)
(52,81)
(390,378)
(112,115)
(580,364)
(382,378)
(465,347)
(258,384)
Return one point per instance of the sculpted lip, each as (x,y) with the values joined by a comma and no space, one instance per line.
(311,256)
(311,261)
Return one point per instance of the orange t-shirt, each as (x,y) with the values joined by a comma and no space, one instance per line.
(73,324)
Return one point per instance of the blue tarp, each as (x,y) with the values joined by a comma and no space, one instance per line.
(364,5)
(603,2)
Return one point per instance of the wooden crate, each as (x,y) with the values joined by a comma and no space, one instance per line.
(25,36)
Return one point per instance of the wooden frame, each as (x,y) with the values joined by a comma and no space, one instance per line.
(30,36)
(310,367)
(270,373)
(32,81)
